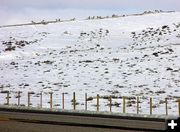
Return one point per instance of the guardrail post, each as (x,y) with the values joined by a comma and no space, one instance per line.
(110,103)
(74,100)
(166,106)
(124,104)
(150,105)
(137,105)
(97,102)
(63,101)
(51,101)
(41,99)
(85,101)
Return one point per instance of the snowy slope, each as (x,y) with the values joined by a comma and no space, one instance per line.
(126,56)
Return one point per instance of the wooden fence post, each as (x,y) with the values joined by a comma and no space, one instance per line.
(166,106)
(28,99)
(137,105)
(63,101)
(110,103)
(150,105)
(41,99)
(74,100)
(179,106)
(97,102)
(124,104)
(19,98)
(51,101)
(7,97)
(85,101)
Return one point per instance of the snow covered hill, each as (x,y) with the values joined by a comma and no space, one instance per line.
(126,56)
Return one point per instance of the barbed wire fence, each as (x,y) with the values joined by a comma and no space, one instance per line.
(110,103)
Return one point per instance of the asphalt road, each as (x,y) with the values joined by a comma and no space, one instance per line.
(13,126)
(47,122)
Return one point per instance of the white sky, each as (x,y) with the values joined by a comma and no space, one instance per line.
(17,11)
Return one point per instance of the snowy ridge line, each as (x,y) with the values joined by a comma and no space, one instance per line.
(75,101)
(36,23)
(55,21)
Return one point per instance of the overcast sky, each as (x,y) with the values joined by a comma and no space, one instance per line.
(17,11)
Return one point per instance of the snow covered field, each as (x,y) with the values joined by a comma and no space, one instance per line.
(126,56)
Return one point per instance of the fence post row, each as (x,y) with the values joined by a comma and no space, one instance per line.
(86,101)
